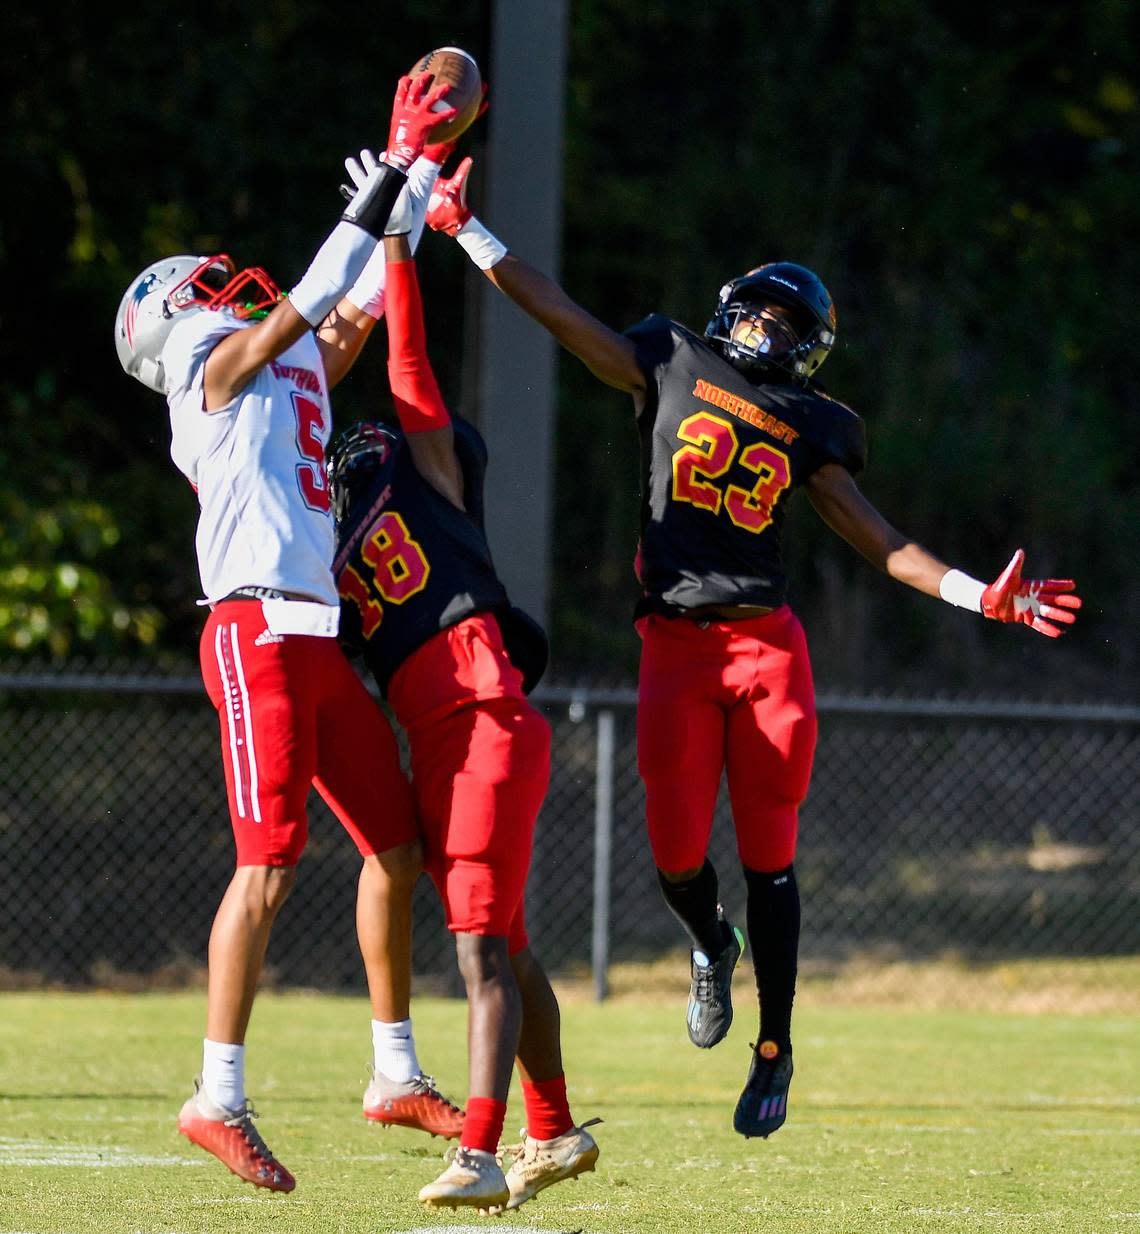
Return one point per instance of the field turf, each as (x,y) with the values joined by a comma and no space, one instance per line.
(901,1120)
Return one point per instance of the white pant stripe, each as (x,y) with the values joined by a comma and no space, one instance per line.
(250,752)
(221,637)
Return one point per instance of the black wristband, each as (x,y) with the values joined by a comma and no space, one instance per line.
(371,206)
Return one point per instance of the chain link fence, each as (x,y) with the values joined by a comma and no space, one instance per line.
(938,836)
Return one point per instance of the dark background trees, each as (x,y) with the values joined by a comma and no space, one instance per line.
(967,188)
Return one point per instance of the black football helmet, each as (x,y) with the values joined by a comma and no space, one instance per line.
(796,342)
(351,460)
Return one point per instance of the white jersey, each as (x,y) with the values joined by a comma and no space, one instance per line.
(257,465)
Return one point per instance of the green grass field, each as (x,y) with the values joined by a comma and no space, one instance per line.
(901,1120)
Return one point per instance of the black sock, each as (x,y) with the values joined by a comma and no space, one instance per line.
(774,932)
(694,904)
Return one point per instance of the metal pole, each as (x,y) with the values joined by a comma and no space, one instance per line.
(522,203)
(603,850)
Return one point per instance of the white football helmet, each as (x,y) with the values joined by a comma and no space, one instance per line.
(152,304)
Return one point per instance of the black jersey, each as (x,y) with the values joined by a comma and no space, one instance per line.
(409,563)
(719,456)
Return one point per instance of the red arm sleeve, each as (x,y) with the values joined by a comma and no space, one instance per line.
(419,403)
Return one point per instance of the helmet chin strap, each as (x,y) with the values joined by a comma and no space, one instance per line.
(151,374)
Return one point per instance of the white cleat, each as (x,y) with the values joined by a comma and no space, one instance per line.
(539,1163)
(473,1179)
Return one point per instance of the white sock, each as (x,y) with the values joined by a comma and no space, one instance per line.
(223,1073)
(394,1050)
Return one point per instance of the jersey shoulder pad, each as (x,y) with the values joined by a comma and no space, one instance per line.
(838,430)
(655,339)
(188,345)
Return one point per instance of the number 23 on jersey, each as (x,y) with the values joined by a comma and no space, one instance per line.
(711,447)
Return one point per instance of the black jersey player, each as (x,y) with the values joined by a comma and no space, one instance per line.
(422,602)
(729,424)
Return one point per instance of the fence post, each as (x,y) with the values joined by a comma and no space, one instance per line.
(603,848)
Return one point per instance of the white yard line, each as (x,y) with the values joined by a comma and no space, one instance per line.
(473,1229)
(87,1156)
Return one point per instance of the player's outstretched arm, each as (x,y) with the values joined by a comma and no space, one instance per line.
(420,407)
(240,356)
(1039,603)
(343,332)
(840,503)
(610,356)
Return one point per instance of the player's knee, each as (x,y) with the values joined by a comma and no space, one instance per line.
(531,977)
(264,889)
(483,960)
(280,884)
(526,967)
(679,876)
(767,841)
(399,866)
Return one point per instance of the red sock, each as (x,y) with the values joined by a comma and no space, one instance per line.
(483,1123)
(547,1110)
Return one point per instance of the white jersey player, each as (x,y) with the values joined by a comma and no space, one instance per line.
(247,374)
(257,465)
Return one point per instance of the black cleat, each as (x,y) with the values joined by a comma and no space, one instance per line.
(709,1013)
(763,1105)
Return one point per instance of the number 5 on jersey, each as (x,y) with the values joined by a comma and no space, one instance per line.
(399,571)
(311,477)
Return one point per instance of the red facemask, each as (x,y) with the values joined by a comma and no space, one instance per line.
(216,283)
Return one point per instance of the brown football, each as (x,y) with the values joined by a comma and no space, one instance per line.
(458,68)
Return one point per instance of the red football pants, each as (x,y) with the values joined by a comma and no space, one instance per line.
(293,715)
(718,696)
(480,769)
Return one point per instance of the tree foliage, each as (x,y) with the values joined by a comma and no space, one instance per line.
(968,190)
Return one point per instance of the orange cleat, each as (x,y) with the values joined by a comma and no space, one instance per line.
(231,1136)
(415,1103)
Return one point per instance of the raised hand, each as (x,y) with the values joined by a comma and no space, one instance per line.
(1035,602)
(447,206)
(440,151)
(360,172)
(413,118)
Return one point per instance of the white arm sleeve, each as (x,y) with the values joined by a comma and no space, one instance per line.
(332,272)
(367,293)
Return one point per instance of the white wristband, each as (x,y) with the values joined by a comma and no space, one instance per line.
(421,180)
(334,269)
(484,249)
(961,590)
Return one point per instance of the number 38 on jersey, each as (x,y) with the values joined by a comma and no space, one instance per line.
(701,465)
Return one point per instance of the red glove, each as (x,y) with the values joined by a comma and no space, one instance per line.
(1036,602)
(447,206)
(413,118)
(440,151)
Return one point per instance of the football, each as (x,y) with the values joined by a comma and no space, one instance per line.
(458,68)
